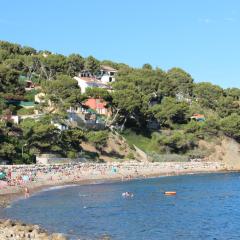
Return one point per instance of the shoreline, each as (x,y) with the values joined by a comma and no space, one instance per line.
(171,169)
(14,193)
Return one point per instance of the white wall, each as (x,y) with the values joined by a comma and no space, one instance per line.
(105,78)
(82,84)
(15,119)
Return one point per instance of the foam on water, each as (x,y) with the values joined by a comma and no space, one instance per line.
(59,187)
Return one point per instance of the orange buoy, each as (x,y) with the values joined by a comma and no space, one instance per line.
(170,193)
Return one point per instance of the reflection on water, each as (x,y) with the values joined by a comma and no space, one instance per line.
(205,207)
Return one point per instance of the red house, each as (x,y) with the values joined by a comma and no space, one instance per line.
(97,104)
(198,117)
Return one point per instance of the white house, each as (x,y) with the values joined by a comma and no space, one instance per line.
(15,119)
(89,82)
(8,117)
(107,74)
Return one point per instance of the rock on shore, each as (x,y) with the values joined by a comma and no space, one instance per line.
(15,230)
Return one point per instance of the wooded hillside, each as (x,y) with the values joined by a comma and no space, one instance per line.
(167,108)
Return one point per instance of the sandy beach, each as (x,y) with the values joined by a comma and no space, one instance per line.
(38,177)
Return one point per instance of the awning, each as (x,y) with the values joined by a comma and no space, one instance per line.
(2,175)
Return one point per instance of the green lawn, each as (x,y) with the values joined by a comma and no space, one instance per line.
(144,143)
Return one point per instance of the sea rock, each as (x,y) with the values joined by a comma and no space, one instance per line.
(58,236)
(15,230)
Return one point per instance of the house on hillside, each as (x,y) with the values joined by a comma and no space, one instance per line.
(32,86)
(198,117)
(86,73)
(90,82)
(86,79)
(107,74)
(28,83)
(82,115)
(8,117)
(99,105)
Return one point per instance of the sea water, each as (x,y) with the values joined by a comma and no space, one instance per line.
(206,206)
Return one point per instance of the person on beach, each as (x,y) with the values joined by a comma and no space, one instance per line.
(26,192)
(129,177)
(9,175)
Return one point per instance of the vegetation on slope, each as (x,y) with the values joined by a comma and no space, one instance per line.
(153,106)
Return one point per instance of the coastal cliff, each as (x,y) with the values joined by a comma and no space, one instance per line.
(226,151)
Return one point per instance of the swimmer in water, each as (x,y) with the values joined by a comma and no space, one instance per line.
(127,194)
(130,194)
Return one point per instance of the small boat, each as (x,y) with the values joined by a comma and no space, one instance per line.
(170,193)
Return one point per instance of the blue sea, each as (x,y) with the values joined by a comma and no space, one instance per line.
(206,206)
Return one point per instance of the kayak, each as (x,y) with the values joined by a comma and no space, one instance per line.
(170,193)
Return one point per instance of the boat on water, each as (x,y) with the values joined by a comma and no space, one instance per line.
(170,193)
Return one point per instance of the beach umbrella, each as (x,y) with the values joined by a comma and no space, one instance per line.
(2,175)
(25,178)
(114,169)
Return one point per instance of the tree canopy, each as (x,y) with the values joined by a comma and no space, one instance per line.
(139,98)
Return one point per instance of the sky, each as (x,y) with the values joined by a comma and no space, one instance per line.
(202,37)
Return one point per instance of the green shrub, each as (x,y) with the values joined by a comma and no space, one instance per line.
(198,153)
(168,157)
(30,95)
(211,127)
(146,144)
(130,155)
(231,126)
(71,154)
(176,142)
(98,138)
(25,111)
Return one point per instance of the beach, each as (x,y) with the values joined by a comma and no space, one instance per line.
(86,211)
(38,177)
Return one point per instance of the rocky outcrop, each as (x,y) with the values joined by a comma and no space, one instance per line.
(14,230)
(231,154)
(226,150)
